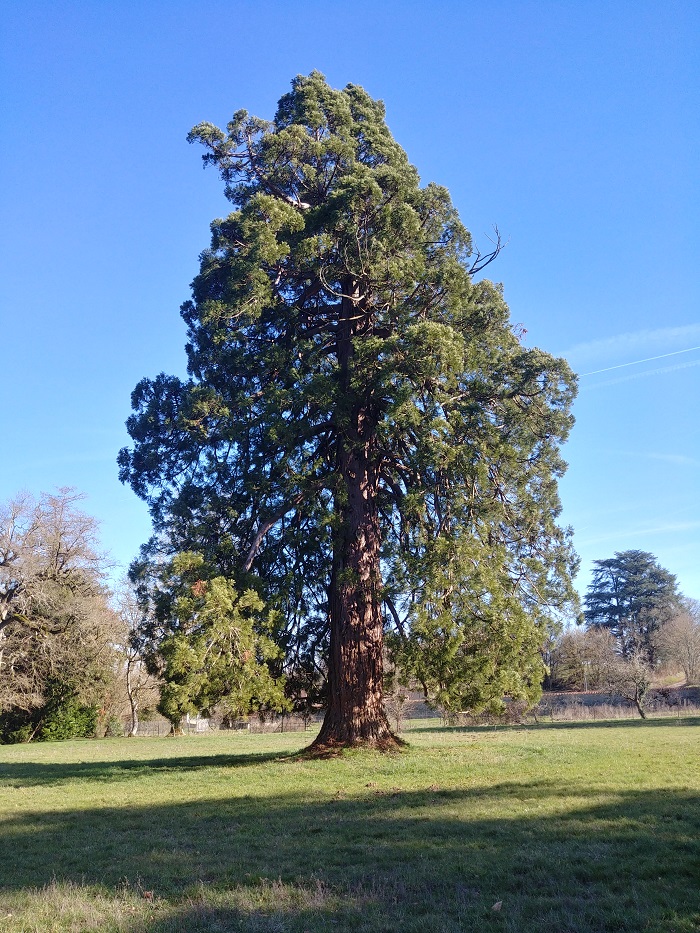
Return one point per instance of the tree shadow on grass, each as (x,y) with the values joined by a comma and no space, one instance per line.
(558,860)
(32,774)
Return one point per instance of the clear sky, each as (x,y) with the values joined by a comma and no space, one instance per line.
(573,126)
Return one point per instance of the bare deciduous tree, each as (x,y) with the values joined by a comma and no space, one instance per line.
(142,688)
(679,641)
(580,657)
(590,660)
(628,678)
(48,548)
(56,627)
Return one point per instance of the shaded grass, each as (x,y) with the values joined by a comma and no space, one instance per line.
(573,830)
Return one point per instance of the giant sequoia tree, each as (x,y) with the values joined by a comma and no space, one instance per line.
(362,438)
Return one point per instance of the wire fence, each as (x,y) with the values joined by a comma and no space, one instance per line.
(413,713)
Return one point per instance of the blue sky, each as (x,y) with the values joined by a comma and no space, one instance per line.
(573,126)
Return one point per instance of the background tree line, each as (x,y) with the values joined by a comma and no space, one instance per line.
(635,622)
(79,660)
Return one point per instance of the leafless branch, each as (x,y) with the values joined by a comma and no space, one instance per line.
(482,260)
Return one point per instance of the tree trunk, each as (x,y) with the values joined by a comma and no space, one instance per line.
(355,714)
(133,699)
(134,727)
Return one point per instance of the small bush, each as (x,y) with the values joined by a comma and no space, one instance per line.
(67,719)
(63,716)
(14,729)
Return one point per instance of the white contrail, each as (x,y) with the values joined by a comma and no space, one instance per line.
(646,372)
(649,359)
(631,344)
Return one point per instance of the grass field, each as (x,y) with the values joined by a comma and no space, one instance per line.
(561,828)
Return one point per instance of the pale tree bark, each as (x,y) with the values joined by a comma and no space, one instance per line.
(133,695)
(140,686)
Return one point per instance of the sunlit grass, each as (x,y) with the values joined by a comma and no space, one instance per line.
(564,828)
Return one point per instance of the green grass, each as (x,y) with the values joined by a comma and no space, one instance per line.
(571,828)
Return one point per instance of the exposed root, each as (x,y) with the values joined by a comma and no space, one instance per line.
(320,749)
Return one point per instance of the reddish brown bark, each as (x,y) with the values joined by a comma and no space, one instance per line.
(355,714)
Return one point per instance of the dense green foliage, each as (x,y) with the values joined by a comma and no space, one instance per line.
(633,597)
(61,715)
(214,656)
(362,438)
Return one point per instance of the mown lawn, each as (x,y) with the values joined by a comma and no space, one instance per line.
(562,828)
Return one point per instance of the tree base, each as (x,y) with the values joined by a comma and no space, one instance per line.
(335,749)
(336,736)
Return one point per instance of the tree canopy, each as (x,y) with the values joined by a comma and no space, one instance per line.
(362,439)
(632,596)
